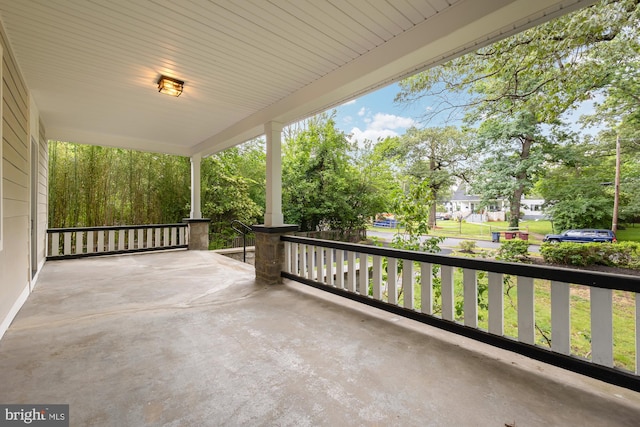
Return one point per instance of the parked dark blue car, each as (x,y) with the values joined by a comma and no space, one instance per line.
(585,235)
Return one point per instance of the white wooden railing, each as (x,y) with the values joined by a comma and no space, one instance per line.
(338,268)
(94,241)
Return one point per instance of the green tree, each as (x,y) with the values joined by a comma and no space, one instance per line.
(226,192)
(574,191)
(329,183)
(513,157)
(536,75)
(437,156)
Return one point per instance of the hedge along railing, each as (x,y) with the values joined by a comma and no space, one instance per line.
(95,241)
(337,268)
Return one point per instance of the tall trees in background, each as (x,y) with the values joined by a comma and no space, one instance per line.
(328,182)
(93,186)
(233,187)
(435,156)
(517,88)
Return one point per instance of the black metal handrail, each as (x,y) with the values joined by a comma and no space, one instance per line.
(243,229)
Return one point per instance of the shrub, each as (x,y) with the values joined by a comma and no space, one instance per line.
(513,250)
(625,254)
(467,246)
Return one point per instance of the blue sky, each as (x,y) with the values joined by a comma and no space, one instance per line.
(376,116)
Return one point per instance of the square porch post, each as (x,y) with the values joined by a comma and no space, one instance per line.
(198,229)
(269,249)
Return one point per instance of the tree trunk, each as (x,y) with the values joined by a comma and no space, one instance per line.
(432,209)
(521,178)
(433,190)
(514,209)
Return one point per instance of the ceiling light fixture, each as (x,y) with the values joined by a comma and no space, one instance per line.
(170,86)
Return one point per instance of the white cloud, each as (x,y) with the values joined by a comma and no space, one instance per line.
(358,135)
(389,121)
(380,126)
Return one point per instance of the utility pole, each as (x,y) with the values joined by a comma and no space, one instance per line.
(616,191)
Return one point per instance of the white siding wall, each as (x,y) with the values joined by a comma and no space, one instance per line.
(15,273)
(43,189)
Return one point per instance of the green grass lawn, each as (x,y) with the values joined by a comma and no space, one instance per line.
(536,230)
(630,233)
(483,231)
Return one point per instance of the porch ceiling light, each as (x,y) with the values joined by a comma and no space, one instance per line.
(170,86)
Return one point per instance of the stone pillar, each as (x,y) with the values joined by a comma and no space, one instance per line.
(269,260)
(198,233)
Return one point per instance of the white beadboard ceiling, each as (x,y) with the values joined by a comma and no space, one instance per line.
(92,65)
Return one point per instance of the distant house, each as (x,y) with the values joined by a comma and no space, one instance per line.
(470,206)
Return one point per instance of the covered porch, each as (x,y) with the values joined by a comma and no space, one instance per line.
(191,338)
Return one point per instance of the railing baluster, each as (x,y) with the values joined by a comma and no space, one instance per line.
(287,256)
(101,241)
(311,268)
(330,268)
(377,277)
(55,244)
(340,269)
(121,241)
(470,295)
(426,287)
(165,240)
(158,239)
(140,240)
(67,243)
(351,271)
(302,259)
(79,242)
(149,237)
(447,292)
(560,318)
(496,303)
(364,275)
(89,241)
(295,260)
(407,284)
(392,281)
(526,312)
(320,265)
(131,244)
(173,236)
(601,326)
(111,242)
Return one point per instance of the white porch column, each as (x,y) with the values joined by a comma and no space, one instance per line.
(196,213)
(273,214)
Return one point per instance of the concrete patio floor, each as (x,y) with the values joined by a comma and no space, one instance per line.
(187,338)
